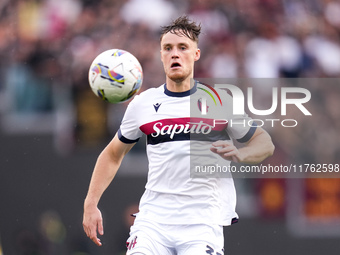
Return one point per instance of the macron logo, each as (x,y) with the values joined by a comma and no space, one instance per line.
(156,106)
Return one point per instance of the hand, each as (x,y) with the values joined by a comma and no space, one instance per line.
(226,150)
(93,221)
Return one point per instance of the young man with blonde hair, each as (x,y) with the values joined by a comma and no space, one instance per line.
(177,214)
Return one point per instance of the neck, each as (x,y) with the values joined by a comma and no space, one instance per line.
(179,86)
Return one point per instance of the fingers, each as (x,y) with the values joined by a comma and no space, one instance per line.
(97,241)
(221,147)
(91,232)
(91,225)
(220,143)
(100,227)
(226,150)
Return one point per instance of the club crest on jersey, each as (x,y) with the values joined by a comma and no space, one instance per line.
(199,104)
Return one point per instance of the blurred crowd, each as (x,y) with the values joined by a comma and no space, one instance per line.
(47,46)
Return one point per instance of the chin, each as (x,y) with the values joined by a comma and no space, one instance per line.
(177,77)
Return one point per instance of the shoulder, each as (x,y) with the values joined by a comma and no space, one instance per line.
(149,92)
(145,97)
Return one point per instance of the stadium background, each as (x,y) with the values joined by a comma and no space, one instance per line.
(52,127)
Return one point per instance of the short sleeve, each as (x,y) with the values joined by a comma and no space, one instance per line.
(129,131)
(240,127)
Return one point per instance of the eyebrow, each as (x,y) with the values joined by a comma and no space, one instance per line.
(170,44)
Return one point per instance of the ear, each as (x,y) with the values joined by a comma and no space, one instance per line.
(161,56)
(197,54)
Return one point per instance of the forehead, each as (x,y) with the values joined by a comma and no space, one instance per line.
(176,38)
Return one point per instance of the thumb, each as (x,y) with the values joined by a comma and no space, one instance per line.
(100,227)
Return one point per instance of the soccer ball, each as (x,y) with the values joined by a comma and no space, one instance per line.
(115,76)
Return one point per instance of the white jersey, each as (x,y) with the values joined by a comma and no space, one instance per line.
(172,196)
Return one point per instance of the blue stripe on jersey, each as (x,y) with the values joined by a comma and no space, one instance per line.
(166,138)
(124,139)
(249,134)
(213,136)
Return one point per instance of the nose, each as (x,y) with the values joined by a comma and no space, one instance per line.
(174,53)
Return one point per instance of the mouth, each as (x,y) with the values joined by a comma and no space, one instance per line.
(175,65)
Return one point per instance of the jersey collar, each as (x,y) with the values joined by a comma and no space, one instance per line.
(180,94)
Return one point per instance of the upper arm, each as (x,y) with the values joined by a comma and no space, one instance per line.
(118,149)
(261,135)
(262,142)
(258,148)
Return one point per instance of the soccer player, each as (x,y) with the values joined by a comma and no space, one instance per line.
(177,214)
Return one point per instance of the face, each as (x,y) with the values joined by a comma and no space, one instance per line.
(178,54)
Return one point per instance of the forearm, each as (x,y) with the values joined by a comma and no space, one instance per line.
(105,169)
(104,172)
(257,149)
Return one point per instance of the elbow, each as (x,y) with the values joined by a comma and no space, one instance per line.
(271,149)
(269,145)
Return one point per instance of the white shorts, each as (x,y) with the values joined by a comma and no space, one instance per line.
(152,238)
